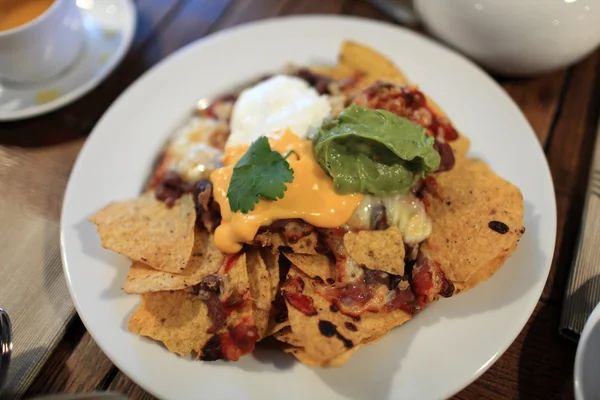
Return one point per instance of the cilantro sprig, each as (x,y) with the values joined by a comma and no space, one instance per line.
(261,172)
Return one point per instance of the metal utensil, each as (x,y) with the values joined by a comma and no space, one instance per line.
(583,286)
(84,396)
(5,345)
(400,10)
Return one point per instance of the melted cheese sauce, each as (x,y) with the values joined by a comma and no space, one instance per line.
(190,153)
(406,212)
(310,196)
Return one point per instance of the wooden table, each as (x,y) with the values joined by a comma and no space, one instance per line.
(562,107)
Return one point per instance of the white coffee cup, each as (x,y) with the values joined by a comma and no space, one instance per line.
(44,46)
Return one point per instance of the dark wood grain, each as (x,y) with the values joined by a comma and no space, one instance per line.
(562,108)
(122,384)
(76,365)
(245,11)
(569,211)
(312,7)
(538,98)
(569,151)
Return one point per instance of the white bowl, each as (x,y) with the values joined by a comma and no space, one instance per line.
(587,360)
(516,37)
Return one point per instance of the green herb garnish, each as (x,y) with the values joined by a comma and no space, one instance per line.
(261,172)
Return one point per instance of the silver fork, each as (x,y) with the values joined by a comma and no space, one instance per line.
(5,345)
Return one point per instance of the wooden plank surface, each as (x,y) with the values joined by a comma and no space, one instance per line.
(561,107)
(78,354)
(569,152)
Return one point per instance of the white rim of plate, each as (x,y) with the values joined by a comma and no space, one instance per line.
(222,35)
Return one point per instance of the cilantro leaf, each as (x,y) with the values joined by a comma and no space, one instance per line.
(260,172)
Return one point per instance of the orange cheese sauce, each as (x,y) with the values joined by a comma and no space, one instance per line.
(310,196)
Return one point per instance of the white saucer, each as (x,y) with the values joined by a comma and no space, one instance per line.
(109,27)
(587,360)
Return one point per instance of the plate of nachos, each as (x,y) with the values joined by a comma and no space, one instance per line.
(353,212)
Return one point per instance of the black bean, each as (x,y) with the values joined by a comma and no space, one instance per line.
(499,227)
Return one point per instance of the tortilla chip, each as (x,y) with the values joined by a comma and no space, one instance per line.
(377,250)
(177,319)
(306,244)
(180,319)
(481,275)
(460,145)
(363,59)
(238,272)
(304,358)
(271,259)
(275,240)
(146,230)
(317,265)
(286,335)
(471,197)
(349,333)
(338,72)
(275,327)
(260,290)
(206,259)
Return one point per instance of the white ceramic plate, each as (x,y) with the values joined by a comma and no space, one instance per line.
(442,350)
(109,26)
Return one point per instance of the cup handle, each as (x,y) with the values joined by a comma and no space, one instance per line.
(401,10)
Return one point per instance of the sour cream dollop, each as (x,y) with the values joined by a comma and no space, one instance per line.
(278,103)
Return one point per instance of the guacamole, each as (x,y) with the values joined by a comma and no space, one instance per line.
(374,151)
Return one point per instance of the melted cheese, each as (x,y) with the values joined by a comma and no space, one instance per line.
(310,196)
(406,212)
(190,153)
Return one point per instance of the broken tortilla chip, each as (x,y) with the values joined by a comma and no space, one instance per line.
(472,201)
(146,230)
(317,265)
(338,72)
(271,259)
(276,240)
(182,321)
(275,327)
(178,319)
(328,334)
(286,335)
(377,250)
(460,145)
(260,290)
(235,269)
(206,259)
(365,60)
